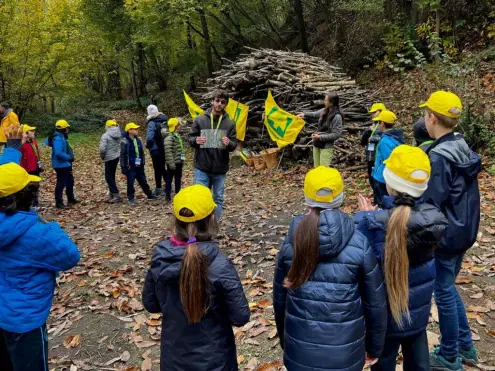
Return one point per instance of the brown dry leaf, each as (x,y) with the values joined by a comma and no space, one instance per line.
(147,365)
(254,292)
(140,320)
(134,368)
(491,332)
(480,320)
(146,344)
(252,364)
(251,342)
(240,359)
(248,326)
(153,322)
(156,316)
(476,337)
(102,339)
(252,307)
(462,279)
(478,295)
(272,334)
(434,312)
(124,357)
(116,292)
(477,309)
(72,341)
(108,255)
(112,361)
(258,331)
(264,303)
(272,366)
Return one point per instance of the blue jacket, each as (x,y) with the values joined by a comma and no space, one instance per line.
(426,227)
(154,139)
(390,139)
(128,153)
(62,154)
(341,311)
(453,188)
(209,344)
(31,253)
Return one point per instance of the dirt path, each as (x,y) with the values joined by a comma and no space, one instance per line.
(98,322)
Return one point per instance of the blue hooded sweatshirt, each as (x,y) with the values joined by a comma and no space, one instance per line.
(390,140)
(62,154)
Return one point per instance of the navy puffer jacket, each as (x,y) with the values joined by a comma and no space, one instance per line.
(426,226)
(329,321)
(209,344)
(154,139)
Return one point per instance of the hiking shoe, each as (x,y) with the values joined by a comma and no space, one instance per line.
(151,196)
(60,205)
(439,363)
(469,356)
(132,203)
(158,192)
(115,198)
(73,202)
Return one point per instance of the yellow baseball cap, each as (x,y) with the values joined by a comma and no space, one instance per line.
(130,126)
(62,124)
(196,198)
(26,128)
(444,103)
(386,116)
(14,178)
(408,170)
(323,179)
(377,107)
(172,124)
(111,123)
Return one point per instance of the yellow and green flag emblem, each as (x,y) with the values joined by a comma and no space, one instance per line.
(282,126)
(194,109)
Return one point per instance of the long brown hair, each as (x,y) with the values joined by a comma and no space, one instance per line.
(306,250)
(330,112)
(396,265)
(194,284)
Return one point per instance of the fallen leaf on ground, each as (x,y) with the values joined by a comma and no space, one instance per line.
(124,357)
(462,279)
(477,309)
(147,365)
(240,359)
(112,361)
(72,341)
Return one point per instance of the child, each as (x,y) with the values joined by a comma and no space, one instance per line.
(390,139)
(330,126)
(31,159)
(174,156)
(110,154)
(31,253)
(328,295)
(370,138)
(132,162)
(197,289)
(421,137)
(453,188)
(62,159)
(157,121)
(403,237)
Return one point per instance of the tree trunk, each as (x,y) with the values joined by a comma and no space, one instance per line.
(141,65)
(114,88)
(388,10)
(207,41)
(45,109)
(300,24)
(134,85)
(52,104)
(190,41)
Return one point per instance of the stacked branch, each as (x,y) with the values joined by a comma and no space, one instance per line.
(298,83)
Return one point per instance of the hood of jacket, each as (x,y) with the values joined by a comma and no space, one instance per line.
(114,132)
(461,157)
(398,134)
(159,117)
(56,134)
(165,133)
(336,230)
(11,229)
(167,258)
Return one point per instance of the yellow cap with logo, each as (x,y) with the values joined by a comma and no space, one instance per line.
(196,198)
(14,178)
(377,107)
(386,116)
(444,103)
(62,124)
(172,124)
(408,170)
(111,123)
(323,184)
(130,126)
(26,128)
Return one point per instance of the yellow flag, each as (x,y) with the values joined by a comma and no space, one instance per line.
(282,126)
(238,113)
(194,109)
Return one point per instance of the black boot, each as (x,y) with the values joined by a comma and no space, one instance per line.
(73,202)
(60,205)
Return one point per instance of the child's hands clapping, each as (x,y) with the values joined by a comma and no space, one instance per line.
(365,204)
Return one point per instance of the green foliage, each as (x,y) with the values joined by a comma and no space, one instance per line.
(477,130)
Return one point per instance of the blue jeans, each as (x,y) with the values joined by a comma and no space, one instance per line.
(454,326)
(414,351)
(137,173)
(26,352)
(110,170)
(217,185)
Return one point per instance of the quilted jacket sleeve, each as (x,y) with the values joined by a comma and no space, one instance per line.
(375,304)
(103,146)
(124,156)
(313,116)
(280,294)
(59,150)
(236,302)
(150,300)
(170,154)
(335,132)
(150,134)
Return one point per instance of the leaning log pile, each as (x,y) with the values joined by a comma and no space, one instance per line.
(298,83)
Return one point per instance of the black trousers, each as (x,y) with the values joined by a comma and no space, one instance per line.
(110,170)
(171,174)
(65,179)
(379,191)
(414,350)
(133,174)
(160,169)
(36,201)
(24,352)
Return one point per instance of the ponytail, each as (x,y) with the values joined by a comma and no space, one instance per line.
(396,265)
(306,250)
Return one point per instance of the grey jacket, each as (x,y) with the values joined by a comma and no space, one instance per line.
(329,131)
(110,144)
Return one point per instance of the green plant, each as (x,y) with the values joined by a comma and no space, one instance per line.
(477,131)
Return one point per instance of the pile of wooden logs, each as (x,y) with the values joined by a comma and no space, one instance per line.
(298,83)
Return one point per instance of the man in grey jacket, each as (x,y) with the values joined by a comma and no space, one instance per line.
(110,153)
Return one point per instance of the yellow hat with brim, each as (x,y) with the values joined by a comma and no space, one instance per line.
(444,103)
(26,128)
(172,124)
(323,184)
(111,123)
(386,116)
(62,124)
(377,107)
(130,126)
(408,170)
(196,198)
(14,178)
